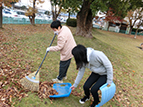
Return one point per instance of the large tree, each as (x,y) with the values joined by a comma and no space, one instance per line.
(116,13)
(6,3)
(139,24)
(86,15)
(134,10)
(86,10)
(56,6)
(68,6)
(71,6)
(90,7)
(133,17)
(111,17)
(31,11)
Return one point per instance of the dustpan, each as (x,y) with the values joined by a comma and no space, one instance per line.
(63,90)
(107,93)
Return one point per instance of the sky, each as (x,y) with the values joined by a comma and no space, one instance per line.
(46,5)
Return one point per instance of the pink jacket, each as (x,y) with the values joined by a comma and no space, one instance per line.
(65,43)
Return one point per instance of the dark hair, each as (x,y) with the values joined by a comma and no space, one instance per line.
(80,55)
(56,24)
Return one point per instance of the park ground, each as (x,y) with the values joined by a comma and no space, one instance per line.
(22,48)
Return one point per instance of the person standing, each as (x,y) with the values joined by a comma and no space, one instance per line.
(65,43)
(101,71)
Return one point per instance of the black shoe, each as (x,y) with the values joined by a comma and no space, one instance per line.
(84,99)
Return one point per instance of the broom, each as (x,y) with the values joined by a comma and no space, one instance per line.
(31,82)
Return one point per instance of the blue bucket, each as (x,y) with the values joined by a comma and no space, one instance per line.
(63,90)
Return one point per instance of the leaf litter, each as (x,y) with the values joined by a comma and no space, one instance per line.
(11,71)
(9,79)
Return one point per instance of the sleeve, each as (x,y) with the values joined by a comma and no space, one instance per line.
(107,64)
(79,76)
(60,44)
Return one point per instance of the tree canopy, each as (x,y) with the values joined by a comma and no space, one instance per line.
(6,3)
(118,8)
(31,11)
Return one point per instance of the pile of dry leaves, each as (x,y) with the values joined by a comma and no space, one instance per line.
(45,89)
(11,78)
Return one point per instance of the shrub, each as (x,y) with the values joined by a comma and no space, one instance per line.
(71,22)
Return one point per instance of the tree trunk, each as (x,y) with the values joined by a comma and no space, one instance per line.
(84,20)
(108,26)
(54,16)
(131,27)
(13,6)
(136,32)
(32,19)
(0,15)
(55,12)
(69,14)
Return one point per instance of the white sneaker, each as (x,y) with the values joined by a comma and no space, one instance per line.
(65,78)
(57,80)
(83,100)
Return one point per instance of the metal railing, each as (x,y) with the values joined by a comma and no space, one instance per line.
(132,33)
(10,20)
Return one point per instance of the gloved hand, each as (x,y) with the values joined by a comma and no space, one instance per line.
(48,49)
(56,33)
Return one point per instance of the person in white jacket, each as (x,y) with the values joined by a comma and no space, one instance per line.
(101,67)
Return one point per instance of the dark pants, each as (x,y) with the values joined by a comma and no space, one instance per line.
(64,65)
(95,81)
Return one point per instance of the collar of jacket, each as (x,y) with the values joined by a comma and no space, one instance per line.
(89,50)
(60,30)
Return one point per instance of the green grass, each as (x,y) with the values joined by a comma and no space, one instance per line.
(30,48)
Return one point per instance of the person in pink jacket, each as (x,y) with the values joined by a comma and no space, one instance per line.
(65,43)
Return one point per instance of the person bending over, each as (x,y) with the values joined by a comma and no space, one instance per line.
(101,71)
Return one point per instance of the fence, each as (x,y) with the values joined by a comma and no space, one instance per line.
(9,20)
(132,33)
(113,30)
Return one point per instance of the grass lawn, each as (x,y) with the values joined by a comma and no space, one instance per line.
(24,46)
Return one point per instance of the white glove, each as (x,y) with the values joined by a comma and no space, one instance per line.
(56,33)
(48,49)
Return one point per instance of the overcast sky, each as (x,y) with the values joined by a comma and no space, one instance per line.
(46,5)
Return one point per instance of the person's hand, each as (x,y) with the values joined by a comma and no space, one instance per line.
(56,33)
(72,87)
(48,49)
(108,85)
